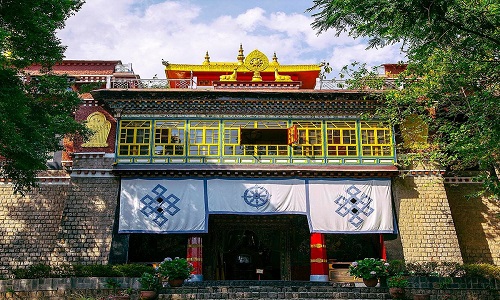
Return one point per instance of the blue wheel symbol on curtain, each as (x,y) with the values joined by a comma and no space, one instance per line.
(256,196)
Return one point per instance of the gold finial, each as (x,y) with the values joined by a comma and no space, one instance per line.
(207,59)
(275,60)
(240,57)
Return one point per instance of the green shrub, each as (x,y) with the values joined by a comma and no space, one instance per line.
(78,270)
(397,281)
(396,267)
(422,269)
(62,271)
(133,270)
(369,268)
(149,282)
(481,270)
(33,271)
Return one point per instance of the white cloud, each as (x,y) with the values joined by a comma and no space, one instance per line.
(144,33)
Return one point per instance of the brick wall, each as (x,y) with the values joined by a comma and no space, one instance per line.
(68,222)
(87,224)
(29,225)
(425,223)
(77,288)
(477,222)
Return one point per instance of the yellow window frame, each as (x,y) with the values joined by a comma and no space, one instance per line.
(203,138)
(169,138)
(376,139)
(231,142)
(134,138)
(341,138)
(310,138)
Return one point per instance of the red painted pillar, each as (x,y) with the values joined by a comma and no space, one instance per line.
(383,253)
(319,264)
(195,257)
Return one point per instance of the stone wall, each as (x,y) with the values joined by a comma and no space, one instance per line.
(29,225)
(66,220)
(86,228)
(77,288)
(477,222)
(425,222)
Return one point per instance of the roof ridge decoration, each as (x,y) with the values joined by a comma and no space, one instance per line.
(240,64)
(256,61)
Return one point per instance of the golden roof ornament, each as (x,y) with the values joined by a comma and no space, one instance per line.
(256,61)
(207,59)
(275,60)
(240,57)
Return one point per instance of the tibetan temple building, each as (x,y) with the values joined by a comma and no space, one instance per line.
(246,168)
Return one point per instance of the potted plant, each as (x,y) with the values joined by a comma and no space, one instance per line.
(175,270)
(369,269)
(118,294)
(397,285)
(148,284)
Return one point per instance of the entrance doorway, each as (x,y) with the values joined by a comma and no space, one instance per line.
(255,247)
(246,257)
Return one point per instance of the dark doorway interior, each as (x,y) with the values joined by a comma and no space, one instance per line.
(247,258)
(351,247)
(152,248)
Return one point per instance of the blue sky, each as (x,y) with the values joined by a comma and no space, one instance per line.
(143,32)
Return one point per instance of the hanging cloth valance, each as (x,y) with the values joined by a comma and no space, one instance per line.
(183,206)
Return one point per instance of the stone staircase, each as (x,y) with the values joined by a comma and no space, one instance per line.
(273,290)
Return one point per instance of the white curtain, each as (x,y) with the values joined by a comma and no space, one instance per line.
(256,196)
(162,206)
(350,206)
(183,206)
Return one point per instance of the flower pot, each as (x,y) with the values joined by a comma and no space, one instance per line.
(370,282)
(421,297)
(175,282)
(147,295)
(397,292)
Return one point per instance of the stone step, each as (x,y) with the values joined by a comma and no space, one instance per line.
(273,290)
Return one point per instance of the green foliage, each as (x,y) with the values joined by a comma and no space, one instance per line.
(35,114)
(28,30)
(149,282)
(177,268)
(453,75)
(358,77)
(77,270)
(481,270)
(396,267)
(369,268)
(33,271)
(133,270)
(399,281)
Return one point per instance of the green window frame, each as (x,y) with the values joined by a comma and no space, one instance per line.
(203,138)
(341,138)
(169,138)
(376,139)
(310,138)
(135,137)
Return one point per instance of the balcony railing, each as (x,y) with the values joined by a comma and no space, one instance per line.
(373,84)
(331,84)
(153,84)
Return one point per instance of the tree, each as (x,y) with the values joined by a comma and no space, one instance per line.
(34,112)
(452,79)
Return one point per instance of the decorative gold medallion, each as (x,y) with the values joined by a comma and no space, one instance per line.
(100,126)
(256,61)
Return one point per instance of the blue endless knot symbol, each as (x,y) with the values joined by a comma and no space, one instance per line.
(256,196)
(156,206)
(356,205)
